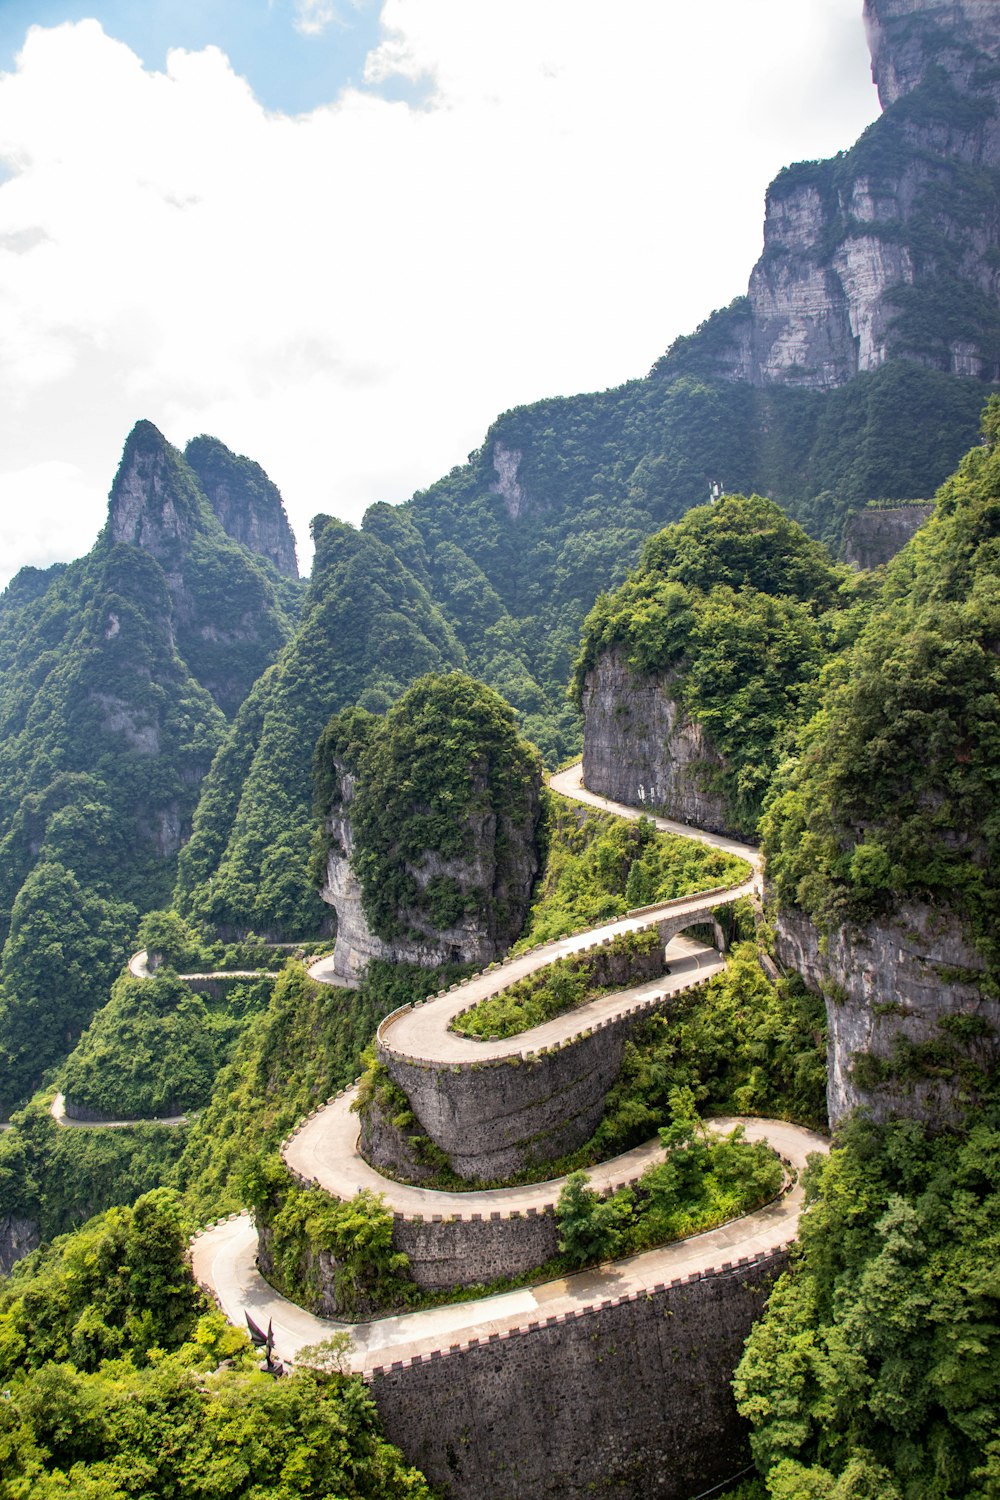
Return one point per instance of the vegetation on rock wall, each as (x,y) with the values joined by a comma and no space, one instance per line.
(368,629)
(107,726)
(741,608)
(306,1046)
(741,1044)
(893,789)
(498,584)
(354,1235)
(444,810)
(876,1370)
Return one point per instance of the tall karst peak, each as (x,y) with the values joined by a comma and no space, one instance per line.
(888,250)
(908,37)
(228,619)
(245,500)
(155,502)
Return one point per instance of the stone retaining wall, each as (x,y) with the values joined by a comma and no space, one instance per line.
(496,1117)
(631,1397)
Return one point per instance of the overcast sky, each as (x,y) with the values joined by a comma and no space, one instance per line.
(343,235)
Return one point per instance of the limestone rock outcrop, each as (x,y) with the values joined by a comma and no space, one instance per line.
(904,1009)
(226,620)
(907,38)
(477,938)
(19,1235)
(641,749)
(873,535)
(890,249)
(249,506)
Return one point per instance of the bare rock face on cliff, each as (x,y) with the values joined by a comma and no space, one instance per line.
(692,672)
(891,248)
(432,827)
(901,991)
(229,621)
(246,502)
(640,748)
(881,838)
(874,535)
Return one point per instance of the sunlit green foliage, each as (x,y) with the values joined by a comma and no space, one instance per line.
(65,946)
(298,1225)
(306,1046)
(443,778)
(740,1045)
(703,1180)
(879,1356)
(893,792)
(55,1177)
(731,604)
(108,1358)
(598,866)
(563,985)
(119,1284)
(152,1051)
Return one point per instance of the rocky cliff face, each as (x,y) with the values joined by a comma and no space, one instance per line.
(893,248)
(18,1237)
(873,535)
(907,38)
(639,748)
(905,1011)
(473,940)
(227,621)
(249,506)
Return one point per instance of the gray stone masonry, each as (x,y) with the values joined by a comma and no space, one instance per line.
(631,1397)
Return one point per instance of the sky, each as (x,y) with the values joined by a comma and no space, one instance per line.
(344,235)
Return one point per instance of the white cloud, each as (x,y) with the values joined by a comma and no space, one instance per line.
(350,296)
(313,16)
(48,513)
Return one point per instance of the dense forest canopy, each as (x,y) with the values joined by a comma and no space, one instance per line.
(735,608)
(893,790)
(443,783)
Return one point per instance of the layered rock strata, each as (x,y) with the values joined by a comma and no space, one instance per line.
(641,749)
(905,1011)
(892,248)
(475,939)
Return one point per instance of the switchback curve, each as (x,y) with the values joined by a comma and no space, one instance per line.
(323,1151)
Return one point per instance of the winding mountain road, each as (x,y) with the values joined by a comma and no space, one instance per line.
(324,1150)
(321,969)
(224,1262)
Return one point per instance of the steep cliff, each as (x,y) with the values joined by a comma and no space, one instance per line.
(244,499)
(230,617)
(640,747)
(108,668)
(368,628)
(881,839)
(432,827)
(876,533)
(891,248)
(692,673)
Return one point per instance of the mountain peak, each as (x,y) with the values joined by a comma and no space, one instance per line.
(907,37)
(154,503)
(246,502)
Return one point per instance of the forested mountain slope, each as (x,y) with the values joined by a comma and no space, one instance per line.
(115,676)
